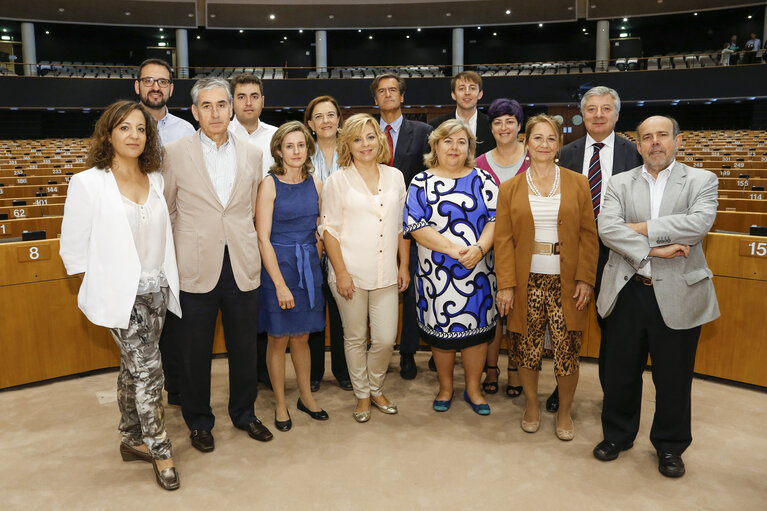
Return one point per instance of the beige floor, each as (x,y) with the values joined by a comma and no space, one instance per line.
(59,451)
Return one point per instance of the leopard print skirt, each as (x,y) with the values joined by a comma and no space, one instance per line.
(544,305)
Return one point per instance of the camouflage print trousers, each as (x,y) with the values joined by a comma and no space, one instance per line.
(140,382)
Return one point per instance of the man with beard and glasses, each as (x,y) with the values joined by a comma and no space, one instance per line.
(155,87)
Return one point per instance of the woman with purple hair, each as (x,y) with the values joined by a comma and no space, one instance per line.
(504,162)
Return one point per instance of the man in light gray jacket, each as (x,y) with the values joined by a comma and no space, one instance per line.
(656,292)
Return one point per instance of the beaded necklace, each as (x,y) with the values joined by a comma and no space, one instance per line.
(535,188)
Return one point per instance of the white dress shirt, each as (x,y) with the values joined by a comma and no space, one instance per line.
(171,128)
(221,163)
(395,127)
(472,122)
(605,158)
(657,187)
(262,138)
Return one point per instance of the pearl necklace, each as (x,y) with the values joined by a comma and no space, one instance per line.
(535,188)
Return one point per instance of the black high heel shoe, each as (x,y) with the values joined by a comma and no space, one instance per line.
(491,387)
(513,390)
(322,415)
(282,425)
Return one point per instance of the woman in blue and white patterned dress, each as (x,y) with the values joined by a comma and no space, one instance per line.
(450,211)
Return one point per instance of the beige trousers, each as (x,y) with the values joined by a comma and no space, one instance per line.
(378,308)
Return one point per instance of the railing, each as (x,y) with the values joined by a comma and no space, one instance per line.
(710,58)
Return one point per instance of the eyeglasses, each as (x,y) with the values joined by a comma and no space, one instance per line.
(148,81)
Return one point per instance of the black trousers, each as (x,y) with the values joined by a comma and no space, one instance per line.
(635,328)
(196,330)
(169,351)
(604,254)
(410,335)
(317,340)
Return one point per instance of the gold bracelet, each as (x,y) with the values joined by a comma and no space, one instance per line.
(481,251)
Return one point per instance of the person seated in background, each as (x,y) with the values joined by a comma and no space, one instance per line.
(116,231)
(287,213)
(546,252)
(450,211)
(734,49)
(362,230)
(323,116)
(503,162)
(466,91)
(154,87)
(752,46)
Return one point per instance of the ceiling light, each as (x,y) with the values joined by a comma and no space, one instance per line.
(161,30)
(162,44)
(624,34)
(584,29)
(284,38)
(540,24)
(625,19)
(623,28)
(695,14)
(272,16)
(212,15)
(191,15)
(359,30)
(508,11)
(419,29)
(127,13)
(478,28)
(331,16)
(388,15)
(370,37)
(198,37)
(407,37)
(47,32)
(241,31)
(61,9)
(162,37)
(749,16)
(450,14)
(5,30)
(300,30)
(495,34)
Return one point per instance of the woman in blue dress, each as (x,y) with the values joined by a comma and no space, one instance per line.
(450,211)
(292,305)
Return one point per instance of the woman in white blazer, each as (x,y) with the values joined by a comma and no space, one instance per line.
(116,231)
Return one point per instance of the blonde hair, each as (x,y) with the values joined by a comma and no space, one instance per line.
(444,130)
(276,145)
(538,119)
(353,127)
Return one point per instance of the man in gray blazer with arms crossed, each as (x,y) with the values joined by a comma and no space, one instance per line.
(656,292)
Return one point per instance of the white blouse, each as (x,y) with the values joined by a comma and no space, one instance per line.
(545,212)
(147,224)
(366,225)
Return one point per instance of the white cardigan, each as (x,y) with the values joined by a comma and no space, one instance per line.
(96,239)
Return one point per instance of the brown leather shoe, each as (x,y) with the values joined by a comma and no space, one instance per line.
(257,431)
(130,453)
(166,478)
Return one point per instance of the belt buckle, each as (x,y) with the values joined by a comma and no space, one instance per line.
(549,249)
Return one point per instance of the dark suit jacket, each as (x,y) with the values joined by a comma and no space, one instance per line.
(412,144)
(625,158)
(625,155)
(485,139)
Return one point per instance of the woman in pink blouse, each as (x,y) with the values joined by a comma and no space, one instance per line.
(362,230)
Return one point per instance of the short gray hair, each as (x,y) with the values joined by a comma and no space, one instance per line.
(207,84)
(601,90)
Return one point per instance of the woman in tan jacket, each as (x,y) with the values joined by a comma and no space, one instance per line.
(546,258)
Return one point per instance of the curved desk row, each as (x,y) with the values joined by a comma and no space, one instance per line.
(44,335)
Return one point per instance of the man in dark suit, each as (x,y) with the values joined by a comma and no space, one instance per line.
(408,142)
(599,155)
(466,90)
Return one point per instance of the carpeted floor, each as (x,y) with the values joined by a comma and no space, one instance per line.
(59,446)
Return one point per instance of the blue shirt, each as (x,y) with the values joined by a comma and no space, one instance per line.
(172,128)
(321,169)
(395,126)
